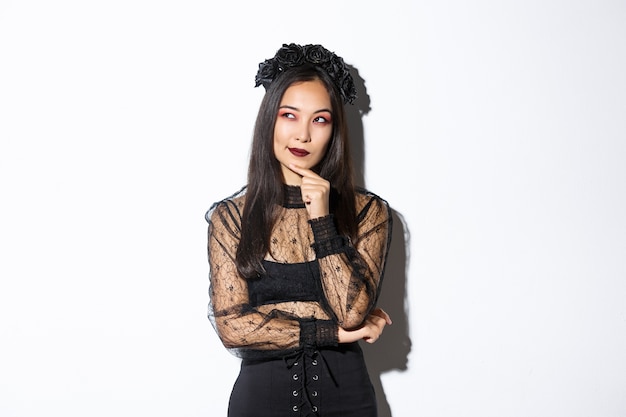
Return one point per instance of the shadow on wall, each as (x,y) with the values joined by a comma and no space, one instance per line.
(391,351)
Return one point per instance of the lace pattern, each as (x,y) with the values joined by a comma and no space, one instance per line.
(346,275)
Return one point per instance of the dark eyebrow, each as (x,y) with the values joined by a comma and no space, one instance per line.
(297,109)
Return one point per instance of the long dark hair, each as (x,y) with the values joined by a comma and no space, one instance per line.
(265,189)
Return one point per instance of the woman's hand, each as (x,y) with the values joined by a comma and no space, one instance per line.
(370,330)
(315,192)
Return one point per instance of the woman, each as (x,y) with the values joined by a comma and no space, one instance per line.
(297,256)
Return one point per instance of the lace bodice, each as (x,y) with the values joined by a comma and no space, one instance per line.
(315,281)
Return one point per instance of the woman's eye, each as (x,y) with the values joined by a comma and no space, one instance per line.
(288,115)
(321,119)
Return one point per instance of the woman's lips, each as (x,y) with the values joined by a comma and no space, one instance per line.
(298,152)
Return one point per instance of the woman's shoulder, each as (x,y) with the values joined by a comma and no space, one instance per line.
(372,209)
(231,204)
(365,197)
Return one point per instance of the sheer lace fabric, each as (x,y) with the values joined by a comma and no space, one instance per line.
(315,281)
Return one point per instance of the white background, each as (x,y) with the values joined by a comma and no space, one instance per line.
(497,133)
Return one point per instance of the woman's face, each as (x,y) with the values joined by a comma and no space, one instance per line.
(303,128)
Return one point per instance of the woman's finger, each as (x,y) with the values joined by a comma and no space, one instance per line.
(303,172)
(382,313)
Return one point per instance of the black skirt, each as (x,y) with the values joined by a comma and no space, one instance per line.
(327,382)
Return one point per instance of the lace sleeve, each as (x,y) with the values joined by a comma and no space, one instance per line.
(351,274)
(244,330)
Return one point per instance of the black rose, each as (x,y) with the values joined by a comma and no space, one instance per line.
(267,73)
(335,67)
(348,90)
(290,55)
(316,54)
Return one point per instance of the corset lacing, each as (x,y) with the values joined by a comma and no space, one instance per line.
(306,366)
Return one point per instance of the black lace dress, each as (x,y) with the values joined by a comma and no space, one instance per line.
(284,324)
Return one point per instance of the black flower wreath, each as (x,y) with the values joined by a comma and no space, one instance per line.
(294,55)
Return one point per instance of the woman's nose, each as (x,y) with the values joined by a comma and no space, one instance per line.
(304,135)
